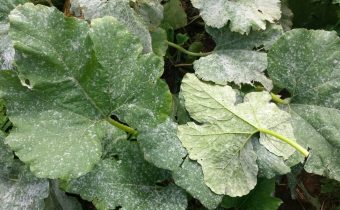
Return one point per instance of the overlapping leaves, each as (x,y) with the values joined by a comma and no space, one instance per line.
(70,82)
(306,63)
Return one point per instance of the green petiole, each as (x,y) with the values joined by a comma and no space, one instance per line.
(121,126)
(292,143)
(186,51)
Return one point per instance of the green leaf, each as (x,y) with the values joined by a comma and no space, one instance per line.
(221,143)
(159,46)
(307,64)
(121,10)
(233,59)
(68,87)
(190,177)
(243,15)
(260,198)
(128,181)
(174,14)
(19,189)
(150,11)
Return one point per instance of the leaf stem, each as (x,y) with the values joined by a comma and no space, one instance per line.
(277,99)
(186,51)
(122,126)
(292,143)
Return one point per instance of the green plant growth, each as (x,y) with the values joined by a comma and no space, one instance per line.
(85,107)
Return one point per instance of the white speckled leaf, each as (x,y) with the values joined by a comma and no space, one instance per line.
(306,62)
(233,59)
(128,181)
(238,66)
(190,177)
(318,128)
(70,85)
(161,145)
(221,144)
(6,47)
(242,15)
(120,9)
(19,189)
(226,39)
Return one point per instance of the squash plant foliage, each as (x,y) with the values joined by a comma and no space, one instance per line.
(84,110)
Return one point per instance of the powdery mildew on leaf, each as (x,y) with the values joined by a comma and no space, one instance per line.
(6,46)
(306,62)
(234,59)
(190,177)
(161,145)
(121,10)
(238,66)
(242,15)
(70,84)
(221,144)
(128,181)
(19,189)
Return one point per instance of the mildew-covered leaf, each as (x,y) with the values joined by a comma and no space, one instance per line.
(128,181)
(69,85)
(19,189)
(318,128)
(306,62)
(234,59)
(221,144)
(190,177)
(242,15)
(121,10)
(161,145)
(6,46)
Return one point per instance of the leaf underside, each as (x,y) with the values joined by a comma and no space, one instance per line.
(222,143)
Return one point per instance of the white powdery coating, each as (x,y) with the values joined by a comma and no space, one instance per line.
(243,15)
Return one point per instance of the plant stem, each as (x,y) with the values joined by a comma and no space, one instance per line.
(186,51)
(277,99)
(183,64)
(122,126)
(292,143)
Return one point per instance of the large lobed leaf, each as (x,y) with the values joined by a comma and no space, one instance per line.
(306,62)
(243,15)
(70,83)
(221,144)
